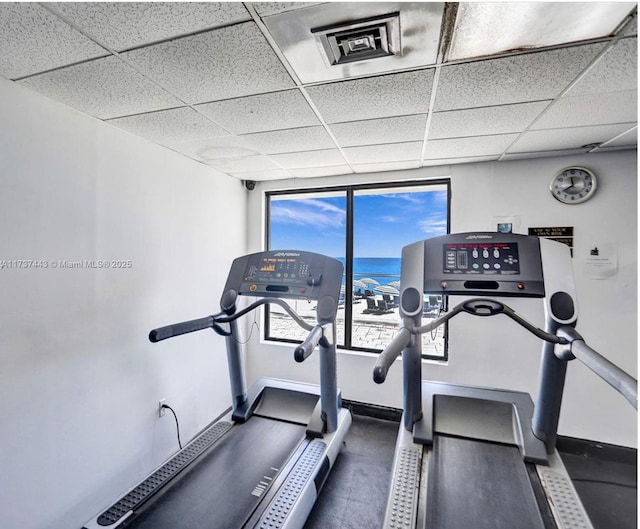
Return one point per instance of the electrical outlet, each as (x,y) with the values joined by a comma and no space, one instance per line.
(161,410)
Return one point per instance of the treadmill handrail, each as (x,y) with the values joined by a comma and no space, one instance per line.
(490,307)
(211,322)
(618,379)
(621,381)
(390,353)
(304,350)
(264,301)
(184,327)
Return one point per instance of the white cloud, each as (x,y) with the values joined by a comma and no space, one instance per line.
(413,198)
(433,226)
(309,212)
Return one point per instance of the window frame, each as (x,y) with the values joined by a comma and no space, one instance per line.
(350,191)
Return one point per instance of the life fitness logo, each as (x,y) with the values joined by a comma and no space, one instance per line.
(476,237)
(286,254)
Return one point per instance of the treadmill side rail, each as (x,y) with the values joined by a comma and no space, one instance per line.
(289,506)
(567,509)
(402,503)
(115,515)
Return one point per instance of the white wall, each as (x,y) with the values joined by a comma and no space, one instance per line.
(79,381)
(495,352)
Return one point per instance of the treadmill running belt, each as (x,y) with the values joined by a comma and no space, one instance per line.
(479,485)
(222,489)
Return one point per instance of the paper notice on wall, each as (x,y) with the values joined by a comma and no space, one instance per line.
(506,224)
(600,261)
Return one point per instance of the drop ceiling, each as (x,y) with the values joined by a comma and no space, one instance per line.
(248,89)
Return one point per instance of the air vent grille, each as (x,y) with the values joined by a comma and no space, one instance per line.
(360,40)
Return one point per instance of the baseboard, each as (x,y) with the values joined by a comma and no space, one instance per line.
(372,410)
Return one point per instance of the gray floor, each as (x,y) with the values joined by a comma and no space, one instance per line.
(355,493)
(608,488)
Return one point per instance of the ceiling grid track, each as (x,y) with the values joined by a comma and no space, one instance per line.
(301,87)
(405,84)
(611,42)
(128,63)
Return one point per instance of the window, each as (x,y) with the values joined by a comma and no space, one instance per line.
(366,228)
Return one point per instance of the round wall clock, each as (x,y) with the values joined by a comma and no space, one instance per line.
(573,185)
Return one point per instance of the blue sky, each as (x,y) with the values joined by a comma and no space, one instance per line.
(384,223)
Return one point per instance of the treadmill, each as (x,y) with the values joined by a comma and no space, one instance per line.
(475,457)
(261,465)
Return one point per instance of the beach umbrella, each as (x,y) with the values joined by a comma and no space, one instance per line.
(369,281)
(359,284)
(394,284)
(386,289)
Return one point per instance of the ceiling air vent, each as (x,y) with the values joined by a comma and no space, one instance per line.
(360,40)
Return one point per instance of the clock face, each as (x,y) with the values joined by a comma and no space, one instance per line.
(573,185)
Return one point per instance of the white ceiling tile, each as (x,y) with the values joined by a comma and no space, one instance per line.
(628,138)
(261,176)
(393,152)
(593,109)
(277,110)
(105,88)
(219,148)
(618,68)
(244,165)
(484,121)
(315,172)
(170,126)
(516,79)
(467,147)
(123,25)
(33,40)
(569,138)
(290,140)
(415,45)
(374,97)
(265,9)
(375,131)
(301,160)
(385,166)
(214,65)
(488,28)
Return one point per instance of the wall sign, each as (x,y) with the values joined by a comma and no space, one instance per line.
(600,261)
(563,234)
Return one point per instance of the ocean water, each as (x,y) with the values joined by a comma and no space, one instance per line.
(382,269)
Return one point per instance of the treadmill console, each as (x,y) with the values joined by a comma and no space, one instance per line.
(496,264)
(286,274)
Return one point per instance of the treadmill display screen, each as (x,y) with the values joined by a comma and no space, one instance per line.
(287,269)
(481,258)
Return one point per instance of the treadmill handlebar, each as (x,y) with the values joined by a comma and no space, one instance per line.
(490,307)
(304,350)
(176,329)
(390,353)
(621,381)
(618,379)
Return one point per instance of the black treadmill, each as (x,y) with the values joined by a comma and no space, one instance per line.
(484,458)
(263,464)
